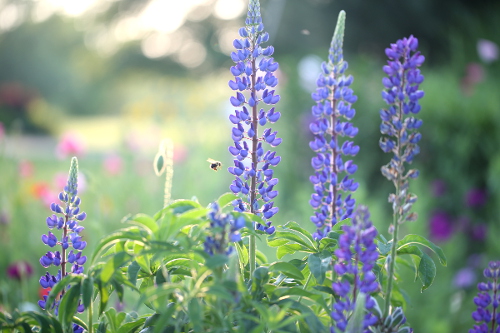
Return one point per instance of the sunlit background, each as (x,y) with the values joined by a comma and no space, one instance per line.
(107,81)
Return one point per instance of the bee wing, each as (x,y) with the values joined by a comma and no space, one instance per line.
(211,160)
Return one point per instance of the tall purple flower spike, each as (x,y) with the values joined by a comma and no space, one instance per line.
(357,254)
(332,178)
(65,219)
(487,314)
(399,127)
(254,83)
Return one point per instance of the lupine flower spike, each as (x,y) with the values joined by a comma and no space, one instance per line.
(224,229)
(357,254)
(487,315)
(332,178)
(66,219)
(254,83)
(400,133)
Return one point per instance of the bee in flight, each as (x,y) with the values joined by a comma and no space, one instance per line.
(214,165)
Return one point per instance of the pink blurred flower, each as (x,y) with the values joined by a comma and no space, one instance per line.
(474,74)
(25,169)
(2,131)
(487,50)
(476,197)
(440,226)
(19,270)
(113,164)
(70,145)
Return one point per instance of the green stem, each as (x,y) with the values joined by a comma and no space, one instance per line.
(90,323)
(392,263)
(251,254)
(305,285)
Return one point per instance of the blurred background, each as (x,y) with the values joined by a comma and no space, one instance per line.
(107,80)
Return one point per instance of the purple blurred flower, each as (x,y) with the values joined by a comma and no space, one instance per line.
(487,314)
(333,175)
(464,278)
(487,50)
(476,197)
(439,187)
(440,226)
(19,270)
(479,231)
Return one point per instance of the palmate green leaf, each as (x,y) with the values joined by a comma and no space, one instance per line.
(226,199)
(242,253)
(177,207)
(319,264)
(131,327)
(312,321)
(288,249)
(216,261)
(288,269)
(44,321)
(195,314)
(113,265)
(292,237)
(419,240)
(426,271)
(144,221)
(131,233)
(68,305)
(292,225)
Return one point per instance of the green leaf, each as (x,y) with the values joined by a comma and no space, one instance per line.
(261,274)
(104,294)
(133,271)
(215,261)
(68,305)
(242,253)
(131,327)
(291,291)
(226,199)
(287,249)
(416,239)
(287,269)
(383,247)
(319,263)
(355,324)
(144,221)
(87,291)
(340,224)
(195,314)
(177,207)
(292,225)
(113,265)
(131,233)
(426,271)
(292,237)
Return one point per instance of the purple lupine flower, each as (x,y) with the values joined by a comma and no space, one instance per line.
(224,229)
(487,314)
(332,178)
(357,254)
(66,220)
(399,126)
(254,73)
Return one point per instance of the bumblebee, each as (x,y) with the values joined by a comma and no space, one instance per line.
(214,165)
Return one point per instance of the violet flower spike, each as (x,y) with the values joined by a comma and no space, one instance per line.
(66,220)
(357,254)
(487,314)
(254,83)
(399,127)
(332,179)
(224,228)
